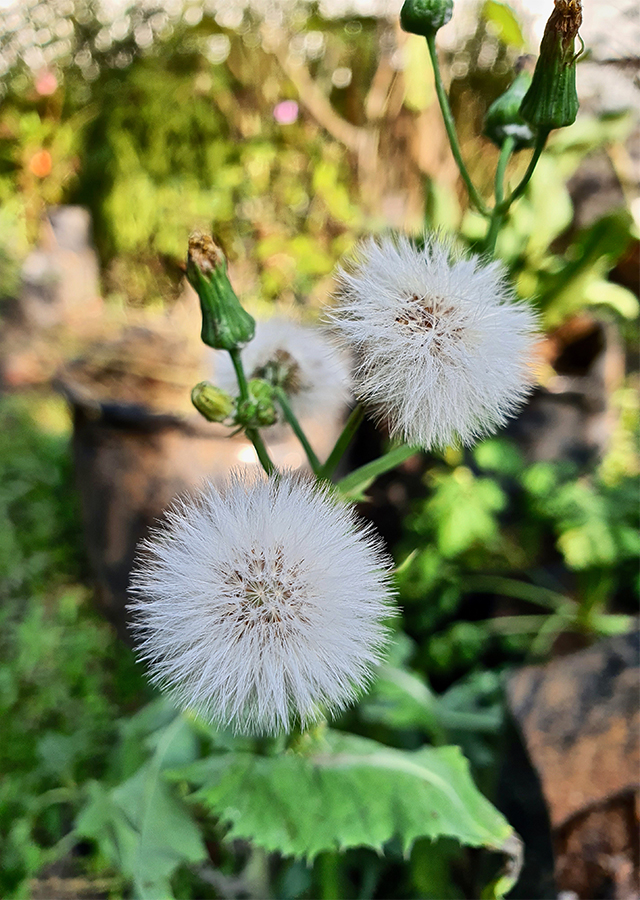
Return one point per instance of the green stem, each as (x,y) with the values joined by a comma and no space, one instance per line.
(520,189)
(497,216)
(236,359)
(328,867)
(348,432)
(291,418)
(252,433)
(450,126)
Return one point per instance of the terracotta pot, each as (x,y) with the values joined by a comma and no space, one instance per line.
(132,460)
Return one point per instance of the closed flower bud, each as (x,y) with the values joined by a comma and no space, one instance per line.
(425,17)
(503,117)
(552,99)
(212,402)
(225,324)
(258,411)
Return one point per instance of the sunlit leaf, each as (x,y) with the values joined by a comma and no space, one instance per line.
(506,23)
(347,791)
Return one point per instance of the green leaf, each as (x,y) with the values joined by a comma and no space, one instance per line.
(605,293)
(347,791)
(140,826)
(509,30)
(464,508)
(400,699)
(355,484)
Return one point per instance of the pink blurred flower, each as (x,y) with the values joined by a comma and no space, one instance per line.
(286,112)
(46,83)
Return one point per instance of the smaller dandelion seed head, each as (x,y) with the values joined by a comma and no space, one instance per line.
(443,350)
(299,359)
(260,605)
(282,370)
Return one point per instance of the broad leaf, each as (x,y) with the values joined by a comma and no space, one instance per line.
(347,791)
(142,829)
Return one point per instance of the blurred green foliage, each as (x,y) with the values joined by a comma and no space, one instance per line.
(503,551)
(500,561)
(63,676)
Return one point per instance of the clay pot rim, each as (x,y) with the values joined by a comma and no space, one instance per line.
(123,413)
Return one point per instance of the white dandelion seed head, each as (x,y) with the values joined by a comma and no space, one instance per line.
(443,351)
(311,370)
(263,605)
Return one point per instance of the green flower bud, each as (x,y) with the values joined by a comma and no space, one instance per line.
(425,17)
(503,118)
(225,324)
(552,99)
(212,402)
(258,410)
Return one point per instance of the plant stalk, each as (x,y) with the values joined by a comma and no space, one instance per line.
(291,418)
(348,433)
(450,126)
(252,433)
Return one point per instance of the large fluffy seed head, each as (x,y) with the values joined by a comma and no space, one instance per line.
(443,352)
(262,605)
(301,359)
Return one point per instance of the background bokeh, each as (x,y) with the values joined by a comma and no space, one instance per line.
(291,130)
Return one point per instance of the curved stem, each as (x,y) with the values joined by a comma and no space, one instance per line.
(520,189)
(497,215)
(291,418)
(252,433)
(450,126)
(348,432)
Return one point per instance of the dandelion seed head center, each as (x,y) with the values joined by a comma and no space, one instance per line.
(281,370)
(432,315)
(267,591)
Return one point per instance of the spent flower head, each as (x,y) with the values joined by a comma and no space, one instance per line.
(297,358)
(443,352)
(261,606)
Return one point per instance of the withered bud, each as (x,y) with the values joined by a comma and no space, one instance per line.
(552,99)
(204,252)
(225,324)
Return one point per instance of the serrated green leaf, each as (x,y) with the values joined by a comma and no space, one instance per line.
(346,792)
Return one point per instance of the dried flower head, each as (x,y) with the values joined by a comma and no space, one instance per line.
(443,352)
(261,605)
(297,358)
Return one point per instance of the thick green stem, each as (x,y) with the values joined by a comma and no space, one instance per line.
(236,359)
(291,418)
(348,432)
(252,433)
(497,216)
(450,126)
